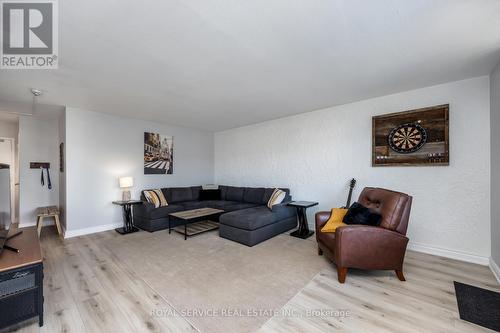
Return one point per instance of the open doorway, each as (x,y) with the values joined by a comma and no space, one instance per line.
(8,156)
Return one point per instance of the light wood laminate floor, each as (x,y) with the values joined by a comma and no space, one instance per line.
(88,289)
(377,301)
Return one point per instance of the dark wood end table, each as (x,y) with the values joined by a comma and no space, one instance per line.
(21,278)
(303,230)
(128,218)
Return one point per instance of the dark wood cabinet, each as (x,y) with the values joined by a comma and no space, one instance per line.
(21,280)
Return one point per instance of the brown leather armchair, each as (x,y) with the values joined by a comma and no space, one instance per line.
(366,247)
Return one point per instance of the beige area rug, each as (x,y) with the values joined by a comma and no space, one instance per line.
(211,275)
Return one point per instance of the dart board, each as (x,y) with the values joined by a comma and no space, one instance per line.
(407,138)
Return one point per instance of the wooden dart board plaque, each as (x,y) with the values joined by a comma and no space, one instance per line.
(411,138)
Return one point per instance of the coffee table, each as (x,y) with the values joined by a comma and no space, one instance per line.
(199,215)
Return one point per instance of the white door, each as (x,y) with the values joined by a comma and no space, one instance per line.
(7,157)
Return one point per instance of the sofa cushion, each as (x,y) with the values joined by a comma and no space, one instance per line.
(234,193)
(223,191)
(180,194)
(239,206)
(164,211)
(195,190)
(253,195)
(255,217)
(219,204)
(167,194)
(188,205)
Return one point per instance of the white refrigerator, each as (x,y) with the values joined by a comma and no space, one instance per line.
(4,196)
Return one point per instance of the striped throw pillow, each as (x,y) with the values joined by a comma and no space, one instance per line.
(276,198)
(156,197)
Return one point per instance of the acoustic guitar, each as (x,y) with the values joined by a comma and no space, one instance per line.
(351,187)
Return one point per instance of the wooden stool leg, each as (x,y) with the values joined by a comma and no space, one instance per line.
(58,225)
(39,225)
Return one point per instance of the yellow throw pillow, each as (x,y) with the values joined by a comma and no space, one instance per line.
(335,220)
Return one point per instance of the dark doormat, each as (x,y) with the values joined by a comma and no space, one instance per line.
(479,306)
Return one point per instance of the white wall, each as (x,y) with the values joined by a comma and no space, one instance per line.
(317,153)
(100,148)
(495,168)
(38,142)
(8,129)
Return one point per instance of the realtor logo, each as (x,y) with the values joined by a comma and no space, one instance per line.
(28,35)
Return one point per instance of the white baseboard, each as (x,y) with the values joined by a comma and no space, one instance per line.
(91,230)
(452,254)
(495,269)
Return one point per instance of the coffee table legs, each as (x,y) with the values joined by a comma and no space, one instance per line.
(185,227)
(177,227)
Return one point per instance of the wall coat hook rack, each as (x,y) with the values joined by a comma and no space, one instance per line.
(42,166)
(39,165)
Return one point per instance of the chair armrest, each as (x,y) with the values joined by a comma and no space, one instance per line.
(143,210)
(321,218)
(367,247)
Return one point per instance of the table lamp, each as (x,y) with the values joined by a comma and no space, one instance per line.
(126,183)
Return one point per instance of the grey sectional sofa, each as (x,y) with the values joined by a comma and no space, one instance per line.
(246,220)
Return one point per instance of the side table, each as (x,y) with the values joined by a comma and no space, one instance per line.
(303,230)
(128,218)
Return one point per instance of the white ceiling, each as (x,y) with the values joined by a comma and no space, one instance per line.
(218,64)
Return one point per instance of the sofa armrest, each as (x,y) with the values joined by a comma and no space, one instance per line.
(367,247)
(279,206)
(143,210)
(282,208)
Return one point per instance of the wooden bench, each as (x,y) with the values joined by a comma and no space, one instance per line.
(50,211)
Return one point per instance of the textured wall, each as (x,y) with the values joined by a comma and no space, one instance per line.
(495,165)
(316,153)
(100,148)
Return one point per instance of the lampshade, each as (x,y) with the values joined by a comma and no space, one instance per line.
(126,181)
